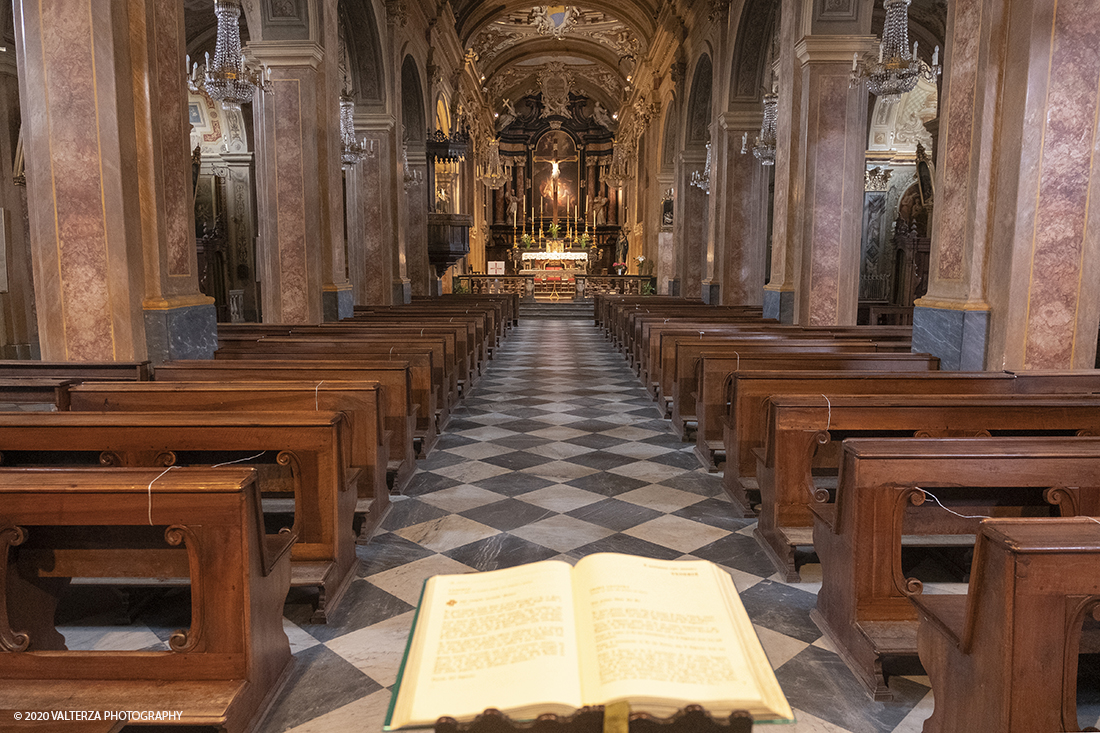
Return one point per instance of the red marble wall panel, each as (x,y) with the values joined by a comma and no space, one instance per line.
(289,143)
(953,197)
(1062,199)
(77,178)
(827,138)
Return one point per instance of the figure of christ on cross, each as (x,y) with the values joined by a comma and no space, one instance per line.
(556,189)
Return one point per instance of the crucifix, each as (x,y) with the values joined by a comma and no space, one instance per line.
(555,191)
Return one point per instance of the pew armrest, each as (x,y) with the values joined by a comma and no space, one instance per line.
(946,612)
(826,513)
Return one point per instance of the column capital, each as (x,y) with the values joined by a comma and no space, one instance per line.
(287,53)
(817,49)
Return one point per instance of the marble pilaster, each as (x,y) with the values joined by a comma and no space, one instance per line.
(370,229)
(788,198)
(1013,230)
(106,146)
(742,229)
(416,204)
(692,216)
(288,195)
(831,169)
(20,331)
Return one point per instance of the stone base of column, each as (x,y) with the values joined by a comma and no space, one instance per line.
(336,304)
(186,332)
(779,304)
(957,337)
(712,292)
(402,292)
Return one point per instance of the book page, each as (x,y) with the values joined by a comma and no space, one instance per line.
(502,639)
(663,634)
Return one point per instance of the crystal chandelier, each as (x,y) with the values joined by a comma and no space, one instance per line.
(702,180)
(351,151)
(492,171)
(897,69)
(229,80)
(764,147)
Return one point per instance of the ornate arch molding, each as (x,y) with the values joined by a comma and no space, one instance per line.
(698,116)
(367,66)
(755,31)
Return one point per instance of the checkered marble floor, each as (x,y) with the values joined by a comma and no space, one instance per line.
(558,452)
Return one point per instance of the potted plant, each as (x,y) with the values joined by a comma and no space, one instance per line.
(619,268)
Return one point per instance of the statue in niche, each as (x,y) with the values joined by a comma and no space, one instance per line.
(599,210)
(600,115)
(513,204)
(508,116)
(666,212)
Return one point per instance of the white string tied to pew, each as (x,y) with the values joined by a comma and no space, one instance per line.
(951,511)
(239,460)
(829,419)
(701,335)
(149,491)
(737,366)
(422,332)
(317,396)
(391,350)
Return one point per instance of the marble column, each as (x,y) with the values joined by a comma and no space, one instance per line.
(336,296)
(1015,256)
(241,226)
(693,207)
(666,253)
(20,331)
(416,202)
(370,228)
(788,200)
(830,173)
(108,176)
(742,229)
(711,287)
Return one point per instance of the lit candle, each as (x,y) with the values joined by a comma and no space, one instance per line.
(915,48)
(880,53)
(936,56)
(855,61)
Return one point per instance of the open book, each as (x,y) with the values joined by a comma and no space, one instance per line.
(548,638)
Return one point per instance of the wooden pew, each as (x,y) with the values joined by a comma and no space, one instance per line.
(311,447)
(361,402)
(677,381)
(42,391)
(428,387)
(864,606)
(1004,656)
(82,371)
(800,454)
(714,370)
(458,365)
(224,670)
(746,421)
(394,377)
(669,372)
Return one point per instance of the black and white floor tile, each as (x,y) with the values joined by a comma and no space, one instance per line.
(558,452)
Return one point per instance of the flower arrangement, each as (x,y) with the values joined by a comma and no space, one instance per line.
(618,264)
(554,230)
(527,240)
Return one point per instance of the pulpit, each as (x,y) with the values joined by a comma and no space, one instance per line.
(448,240)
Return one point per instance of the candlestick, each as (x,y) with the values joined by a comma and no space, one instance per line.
(855,61)
(936,56)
